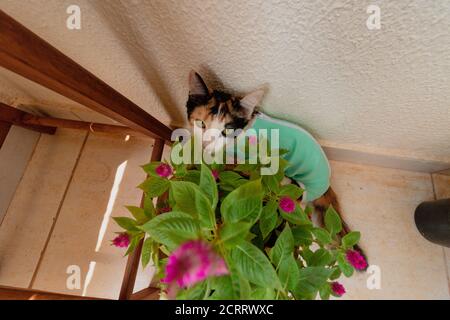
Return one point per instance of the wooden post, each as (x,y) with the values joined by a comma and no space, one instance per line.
(15,116)
(129,278)
(24,53)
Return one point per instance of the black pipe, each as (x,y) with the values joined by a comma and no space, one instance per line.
(433,221)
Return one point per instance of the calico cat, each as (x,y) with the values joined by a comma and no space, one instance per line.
(309,166)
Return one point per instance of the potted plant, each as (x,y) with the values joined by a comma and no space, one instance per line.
(221,232)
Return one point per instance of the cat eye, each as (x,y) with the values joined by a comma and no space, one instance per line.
(200,124)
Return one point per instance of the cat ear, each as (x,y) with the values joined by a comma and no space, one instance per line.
(251,100)
(196,84)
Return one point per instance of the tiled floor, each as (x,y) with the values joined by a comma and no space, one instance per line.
(96,176)
(380,203)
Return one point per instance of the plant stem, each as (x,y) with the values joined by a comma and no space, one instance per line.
(208,289)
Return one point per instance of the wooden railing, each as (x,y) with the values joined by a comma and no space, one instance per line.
(24,53)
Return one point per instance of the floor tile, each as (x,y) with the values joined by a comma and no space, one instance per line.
(441,186)
(29,218)
(380,203)
(103,183)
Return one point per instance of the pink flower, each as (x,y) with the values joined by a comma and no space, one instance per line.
(192,262)
(356,259)
(164,170)
(287,204)
(337,288)
(215,174)
(121,241)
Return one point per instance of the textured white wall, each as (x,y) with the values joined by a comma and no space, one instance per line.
(384,89)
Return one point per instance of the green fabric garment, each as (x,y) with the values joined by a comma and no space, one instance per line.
(308,164)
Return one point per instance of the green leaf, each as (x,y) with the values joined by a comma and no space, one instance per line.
(281,168)
(246,167)
(253,265)
(325,291)
(298,216)
(196,292)
(146,252)
(288,272)
(230,180)
(268,219)
(150,167)
(238,286)
(305,296)
(134,242)
(190,199)
(232,234)
(208,185)
(180,169)
(244,203)
(230,177)
(263,294)
(270,183)
(284,246)
(350,239)
(172,228)
(332,221)
(192,176)
(336,273)
(307,254)
(291,190)
(322,236)
(320,258)
(138,213)
(233,286)
(344,266)
(224,289)
(311,280)
(155,186)
(149,208)
(245,288)
(126,223)
(302,235)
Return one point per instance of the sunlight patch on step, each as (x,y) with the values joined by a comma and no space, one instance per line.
(112,199)
(89,276)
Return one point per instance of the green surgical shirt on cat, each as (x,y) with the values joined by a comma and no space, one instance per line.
(308,164)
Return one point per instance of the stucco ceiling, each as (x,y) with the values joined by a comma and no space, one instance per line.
(386,89)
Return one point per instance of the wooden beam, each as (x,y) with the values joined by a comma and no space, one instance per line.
(4,130)
(8,293)
(129,278)
(48,125)
(149,293)
(80,125)
(15,116)
(24,53)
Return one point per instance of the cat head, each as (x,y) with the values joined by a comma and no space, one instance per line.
(218,110)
